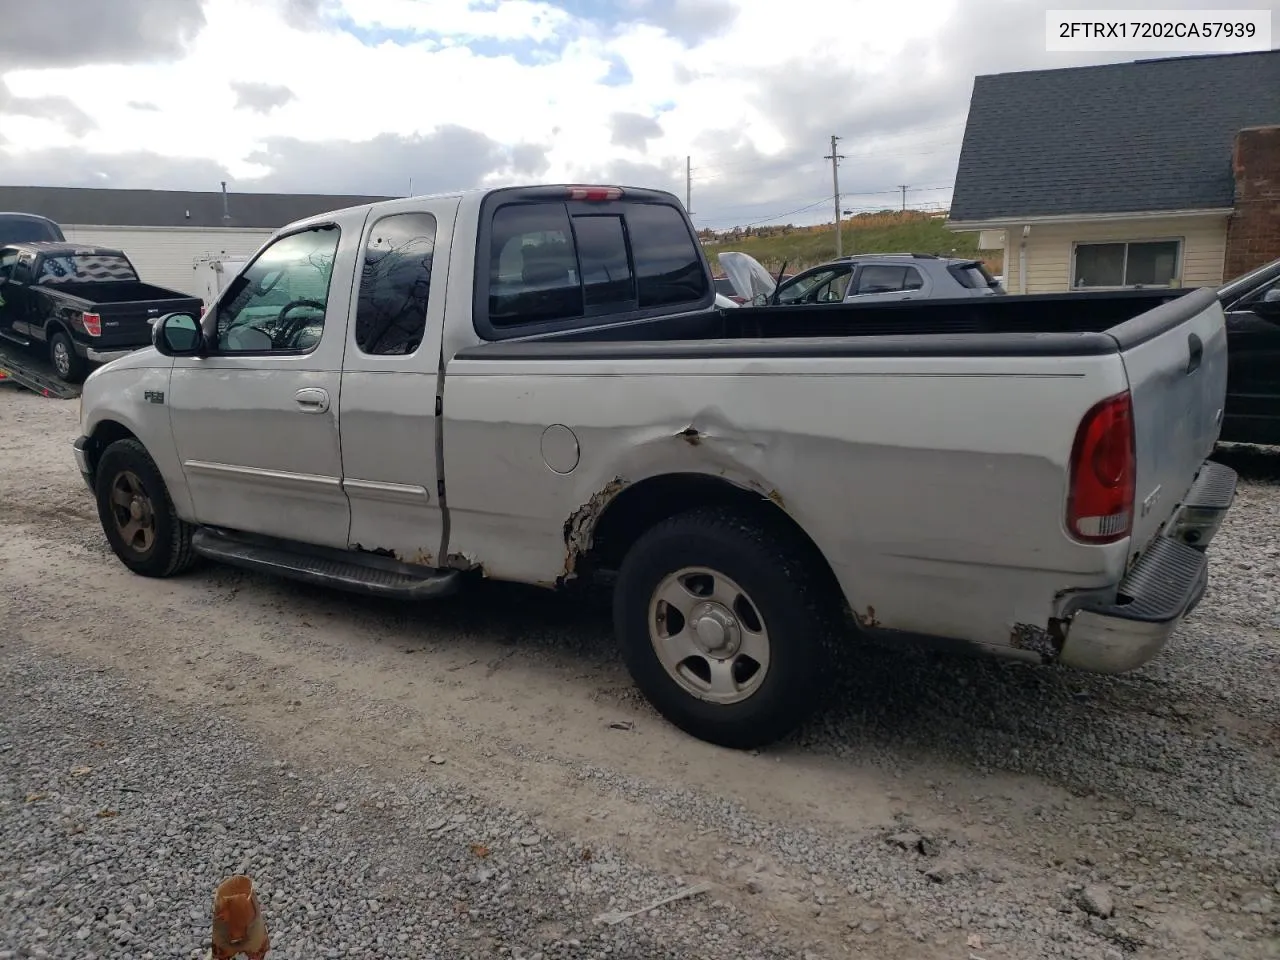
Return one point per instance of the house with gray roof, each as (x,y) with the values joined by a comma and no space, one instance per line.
(165,231)
(1149,173)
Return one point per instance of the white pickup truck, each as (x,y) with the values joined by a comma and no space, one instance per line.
(533,384)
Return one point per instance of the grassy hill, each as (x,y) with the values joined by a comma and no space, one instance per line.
(804,247)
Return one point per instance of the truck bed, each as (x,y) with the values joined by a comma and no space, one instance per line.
(1075,324)
(114,291)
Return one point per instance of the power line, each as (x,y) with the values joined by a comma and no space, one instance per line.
(779,216)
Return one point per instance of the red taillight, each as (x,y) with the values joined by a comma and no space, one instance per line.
(92,324)
(1102,484)
(595,193)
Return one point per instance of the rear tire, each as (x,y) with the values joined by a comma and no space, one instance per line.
(67,364)
(747,659)
(137,514)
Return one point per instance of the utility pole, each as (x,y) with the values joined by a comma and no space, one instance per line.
(688,185)
(903,188)
(835,159)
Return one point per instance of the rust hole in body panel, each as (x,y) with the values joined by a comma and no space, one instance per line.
(867,619)
(581,524)
(690,435)
(460,561)
(1047,643)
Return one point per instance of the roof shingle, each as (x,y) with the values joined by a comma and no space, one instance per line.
(170,208)
(1119,138)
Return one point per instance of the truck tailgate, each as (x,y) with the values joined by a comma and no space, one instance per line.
(129,324)
(1175,358)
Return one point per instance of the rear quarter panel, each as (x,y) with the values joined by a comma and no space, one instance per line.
(934,487)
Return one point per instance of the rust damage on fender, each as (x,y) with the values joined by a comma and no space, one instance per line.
(460,561)
(867,619)
(1047,643)
(581,524)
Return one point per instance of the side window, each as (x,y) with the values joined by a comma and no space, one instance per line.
(22,269)
(278,303)
(879,278)
(533,267)
(395,280)
(668,269)
(911,279)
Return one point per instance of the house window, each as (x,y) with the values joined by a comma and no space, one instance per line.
(1132,264)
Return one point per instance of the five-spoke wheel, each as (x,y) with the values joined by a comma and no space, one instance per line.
(725,625)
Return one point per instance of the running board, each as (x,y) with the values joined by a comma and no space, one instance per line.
(369,574)
(15,338)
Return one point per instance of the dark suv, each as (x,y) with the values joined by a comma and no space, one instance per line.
(28,228)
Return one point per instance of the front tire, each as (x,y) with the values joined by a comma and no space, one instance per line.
(67,364)
(137,514)
(726,626)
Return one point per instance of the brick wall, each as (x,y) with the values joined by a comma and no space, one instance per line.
(1253,233)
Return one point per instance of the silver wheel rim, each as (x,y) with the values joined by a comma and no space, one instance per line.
(709,635)
(61,359)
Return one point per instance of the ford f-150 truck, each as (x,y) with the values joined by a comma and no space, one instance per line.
(83,304)
(533,384)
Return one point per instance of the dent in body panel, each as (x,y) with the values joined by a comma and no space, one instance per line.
(937,498)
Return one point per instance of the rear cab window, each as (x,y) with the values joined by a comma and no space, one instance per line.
(548,261)
(84,268)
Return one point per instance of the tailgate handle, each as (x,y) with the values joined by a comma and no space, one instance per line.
(1196,346)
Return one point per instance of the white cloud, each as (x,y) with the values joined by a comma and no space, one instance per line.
(752,103)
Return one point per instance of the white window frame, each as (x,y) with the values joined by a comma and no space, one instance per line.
(1124,269)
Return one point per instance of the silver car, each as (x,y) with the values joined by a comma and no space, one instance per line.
(863,278)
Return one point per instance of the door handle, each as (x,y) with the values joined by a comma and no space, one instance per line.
(312,400)
(1196,347)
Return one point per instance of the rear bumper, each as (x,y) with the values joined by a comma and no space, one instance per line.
(106,356)
(1166,584)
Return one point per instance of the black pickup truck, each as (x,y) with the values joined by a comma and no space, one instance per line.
(1252,306)
(82,304)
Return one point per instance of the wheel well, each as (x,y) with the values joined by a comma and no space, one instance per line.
(54,326)
(641,506)
(104,434)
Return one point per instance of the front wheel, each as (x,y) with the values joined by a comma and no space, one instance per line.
(137,515)
(726,626)
(69,366)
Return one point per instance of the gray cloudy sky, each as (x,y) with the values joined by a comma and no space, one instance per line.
(372,96)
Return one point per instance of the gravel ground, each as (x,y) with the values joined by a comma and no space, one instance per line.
(119,820)
(944,808)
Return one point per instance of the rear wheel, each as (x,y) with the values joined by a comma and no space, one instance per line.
(66,363)
(137,515)
(726,626)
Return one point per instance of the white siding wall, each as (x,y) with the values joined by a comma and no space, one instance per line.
(164,256)
(1049,248)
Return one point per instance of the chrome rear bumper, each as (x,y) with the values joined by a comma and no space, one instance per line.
(1166,584)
